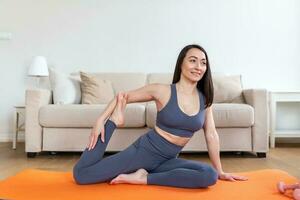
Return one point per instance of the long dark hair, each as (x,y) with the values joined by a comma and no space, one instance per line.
(205,85)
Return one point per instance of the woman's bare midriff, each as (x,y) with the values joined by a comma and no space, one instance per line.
(181,141)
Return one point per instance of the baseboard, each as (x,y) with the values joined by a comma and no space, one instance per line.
(287,140)
(7,137)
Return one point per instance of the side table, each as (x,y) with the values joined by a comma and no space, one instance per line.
(18,113)
(282,97)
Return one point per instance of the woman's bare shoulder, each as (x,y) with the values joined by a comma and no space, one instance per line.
(160,89)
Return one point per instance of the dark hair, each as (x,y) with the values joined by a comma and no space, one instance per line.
(205,85)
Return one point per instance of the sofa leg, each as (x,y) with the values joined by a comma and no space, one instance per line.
(52,152)
(31,154)
(240,153)
(261,154)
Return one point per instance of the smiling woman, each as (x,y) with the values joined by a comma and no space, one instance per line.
(184,107)
(193,63)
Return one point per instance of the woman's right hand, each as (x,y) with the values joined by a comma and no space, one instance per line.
(98,129)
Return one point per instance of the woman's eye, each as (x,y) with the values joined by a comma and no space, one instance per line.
(193,60)
(204,63)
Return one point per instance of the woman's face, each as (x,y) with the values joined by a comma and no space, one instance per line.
(194,65)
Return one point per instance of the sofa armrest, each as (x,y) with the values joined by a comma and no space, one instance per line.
(34,99)
(258,99)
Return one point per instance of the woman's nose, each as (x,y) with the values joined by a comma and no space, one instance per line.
(198,66)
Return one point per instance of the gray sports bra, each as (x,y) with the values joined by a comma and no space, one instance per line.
(173,120)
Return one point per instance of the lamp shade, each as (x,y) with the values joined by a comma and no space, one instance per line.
(38,67)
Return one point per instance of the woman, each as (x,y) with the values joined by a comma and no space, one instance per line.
(184,107)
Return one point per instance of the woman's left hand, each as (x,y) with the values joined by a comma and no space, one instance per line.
(231,177)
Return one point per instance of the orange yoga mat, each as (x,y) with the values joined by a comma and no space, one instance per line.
(39,184)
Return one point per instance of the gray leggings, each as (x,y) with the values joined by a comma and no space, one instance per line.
(150,151)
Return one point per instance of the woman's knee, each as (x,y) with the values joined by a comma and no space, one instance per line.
(211,176)
(207,176)
(77,176)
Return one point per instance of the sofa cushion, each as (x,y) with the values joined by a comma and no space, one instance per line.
(95,90)
(227,88)
(233,115)
(165,78)
(225,115)
(66,89)
(82,115)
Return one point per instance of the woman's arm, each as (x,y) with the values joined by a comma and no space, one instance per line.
(146,93)
(212,140)
(213,146)
(108,110)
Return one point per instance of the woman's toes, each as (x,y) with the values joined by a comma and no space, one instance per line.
(119,98)
(123,103)
(113,181)
(125,96)
(116,180)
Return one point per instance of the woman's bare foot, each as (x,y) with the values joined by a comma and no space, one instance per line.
(138,177)
(118,114)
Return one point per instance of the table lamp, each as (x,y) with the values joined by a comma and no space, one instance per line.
(38,68)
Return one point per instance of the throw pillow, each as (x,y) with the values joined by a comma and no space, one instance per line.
(95,90)
(65,89)
(227,89)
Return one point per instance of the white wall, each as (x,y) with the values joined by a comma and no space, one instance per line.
(258,39)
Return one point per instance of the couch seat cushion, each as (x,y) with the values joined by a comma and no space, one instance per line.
(80,115)
(225,115)
(233,115)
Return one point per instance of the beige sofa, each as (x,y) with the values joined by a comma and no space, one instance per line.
(242,126)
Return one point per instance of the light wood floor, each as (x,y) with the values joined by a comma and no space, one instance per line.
(285,157)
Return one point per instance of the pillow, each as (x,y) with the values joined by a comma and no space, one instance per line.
(66,89)
(95,90)
(227,89)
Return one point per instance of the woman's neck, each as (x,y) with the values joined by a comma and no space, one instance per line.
(186,87)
